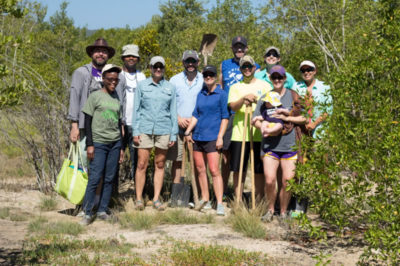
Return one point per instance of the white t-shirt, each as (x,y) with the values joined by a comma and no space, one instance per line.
(132,79)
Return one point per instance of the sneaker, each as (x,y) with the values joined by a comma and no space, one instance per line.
(86,220)
(80,214)
(201,205)
(296,213)
(220,210)
(267,217)
(103,216)
(208,206)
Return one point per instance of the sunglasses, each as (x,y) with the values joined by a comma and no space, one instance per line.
(112,79)
(277,77)
(309,69)
(208,74)
(190,61)
(158,66)
(246,67)
(273,53)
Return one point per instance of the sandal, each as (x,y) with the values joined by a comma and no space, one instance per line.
(158,205)
(139,205)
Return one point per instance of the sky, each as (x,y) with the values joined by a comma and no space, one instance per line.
(96,14)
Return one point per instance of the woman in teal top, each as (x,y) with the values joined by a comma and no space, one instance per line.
(272,57)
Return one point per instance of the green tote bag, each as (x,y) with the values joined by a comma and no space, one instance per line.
(72,180)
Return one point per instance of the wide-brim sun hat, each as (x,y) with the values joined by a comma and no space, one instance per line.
(100,43)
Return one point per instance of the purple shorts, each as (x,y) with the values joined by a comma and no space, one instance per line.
(292,155)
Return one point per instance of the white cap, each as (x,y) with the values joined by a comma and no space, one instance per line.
(157,59)
(307,63)
(130,49)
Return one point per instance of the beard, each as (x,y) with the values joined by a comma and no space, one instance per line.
(99,63)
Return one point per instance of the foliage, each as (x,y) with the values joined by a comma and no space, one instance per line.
(247,221)
(41,226)
(352,173)
(47,203)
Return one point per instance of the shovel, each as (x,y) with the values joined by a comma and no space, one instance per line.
(247,119)
(193,178)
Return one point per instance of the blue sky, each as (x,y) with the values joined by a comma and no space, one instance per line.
(96,14)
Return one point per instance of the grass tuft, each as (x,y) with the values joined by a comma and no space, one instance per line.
(4,212)
(47,204)
(248,222)
(188,253)
(41,226)
(137,221)
(58,250)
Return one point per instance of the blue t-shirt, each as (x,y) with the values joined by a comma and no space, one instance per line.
(209,111)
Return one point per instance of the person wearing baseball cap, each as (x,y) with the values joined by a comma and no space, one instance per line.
(105,148)
(129,77)
(188,84)
(317,94)
(242,94)
(272,57)
(277,149)
(230,74)
(209,121)
(154,125)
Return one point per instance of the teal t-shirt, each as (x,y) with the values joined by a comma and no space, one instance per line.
(105,110)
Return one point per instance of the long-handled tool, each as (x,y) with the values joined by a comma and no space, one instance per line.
(247,119)
(193,178)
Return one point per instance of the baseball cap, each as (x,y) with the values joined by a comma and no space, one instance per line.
(130,49)
(190,54)
(109,67)
(307,63)
(210,68)
(157,59)
(273,98)
(272,48)
(246,59)
(278,69)
(239,39)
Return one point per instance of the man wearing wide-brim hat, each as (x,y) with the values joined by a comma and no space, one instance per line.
(85,80)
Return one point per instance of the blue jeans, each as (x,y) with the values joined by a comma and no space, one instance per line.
(104,163)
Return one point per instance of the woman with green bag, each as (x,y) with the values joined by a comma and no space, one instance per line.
(104,142)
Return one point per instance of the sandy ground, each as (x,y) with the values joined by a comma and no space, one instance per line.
(278,245)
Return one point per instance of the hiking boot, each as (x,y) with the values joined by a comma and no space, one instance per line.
(220,209)
(86,220)
(103,216)
(267,217)
(208,206)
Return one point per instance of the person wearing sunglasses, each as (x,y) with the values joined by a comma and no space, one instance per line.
(243,94)
(154,125)
(317,98)
(272,57)
(104,142)
(209,121)
(188,84)
(278,150)
(230,74)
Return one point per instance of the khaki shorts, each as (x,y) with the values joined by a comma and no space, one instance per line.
(150,141)
(175,152)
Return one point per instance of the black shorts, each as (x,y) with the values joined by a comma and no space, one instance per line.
(236,149)
(228,133)
(205,146)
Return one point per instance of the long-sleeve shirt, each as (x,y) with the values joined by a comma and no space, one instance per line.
(155,109)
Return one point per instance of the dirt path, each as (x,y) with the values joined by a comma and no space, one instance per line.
(147,242)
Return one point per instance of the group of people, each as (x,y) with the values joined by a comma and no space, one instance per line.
(112,107)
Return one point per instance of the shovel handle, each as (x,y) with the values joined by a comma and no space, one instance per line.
(193,178)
